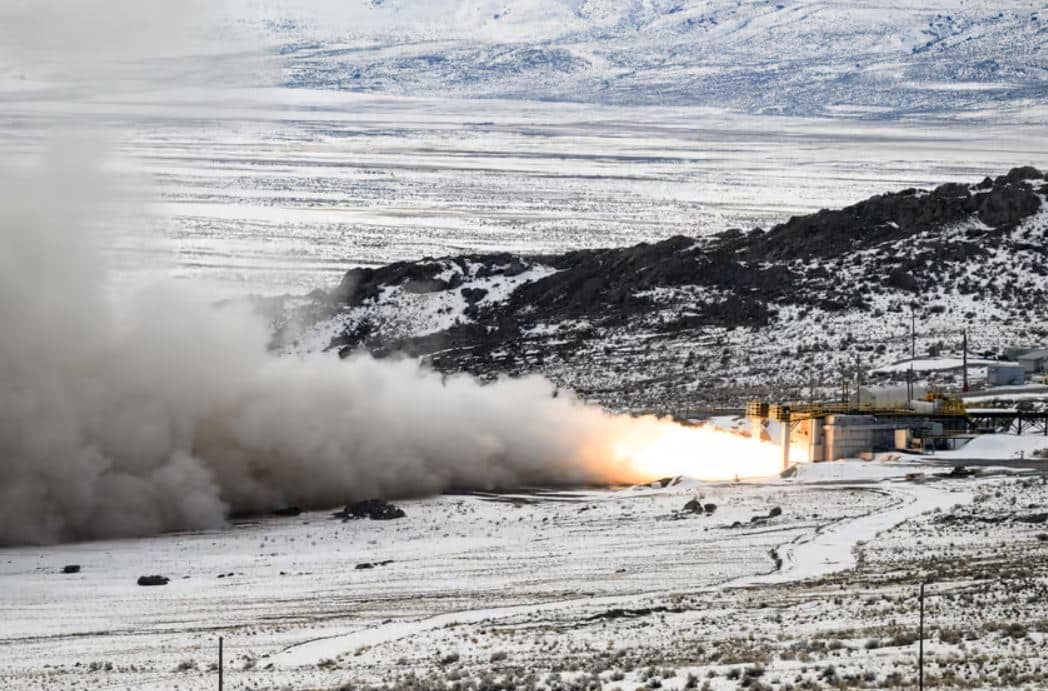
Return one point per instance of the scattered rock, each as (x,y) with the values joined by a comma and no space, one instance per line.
(474,295)
(693,506)
(153,580)
(902,279)
(71,568)
(776,511)
(373,564)
(288,511)
(375,509)
(627,613)
(709,508)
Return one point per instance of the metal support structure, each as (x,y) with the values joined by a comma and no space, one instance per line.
(220,665)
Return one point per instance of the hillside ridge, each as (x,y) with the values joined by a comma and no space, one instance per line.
(693,321)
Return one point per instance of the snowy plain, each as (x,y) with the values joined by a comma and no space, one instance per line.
(295,611)
(282,190)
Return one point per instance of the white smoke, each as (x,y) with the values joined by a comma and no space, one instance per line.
(161,411)
(133,415)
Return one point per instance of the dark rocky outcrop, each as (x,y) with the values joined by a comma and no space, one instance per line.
(889,217)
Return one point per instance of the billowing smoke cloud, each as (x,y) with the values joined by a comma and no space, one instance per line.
(126,415)
(158,412)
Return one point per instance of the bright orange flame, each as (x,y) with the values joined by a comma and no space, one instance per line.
(654,448)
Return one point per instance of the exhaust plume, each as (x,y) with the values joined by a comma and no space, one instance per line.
(130,416)
(134,414)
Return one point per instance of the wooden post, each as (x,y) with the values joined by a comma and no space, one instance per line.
(920,643)
(219,663)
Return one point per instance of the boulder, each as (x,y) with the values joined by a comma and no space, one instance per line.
(693,506)
(709,508)
(288,511)
(902,279)
(373,564)
(1023,173)
(776,511)
(71,568)
(153,580)
(1008,204)
(375,509)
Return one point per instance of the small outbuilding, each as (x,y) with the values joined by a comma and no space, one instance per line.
(1005,374)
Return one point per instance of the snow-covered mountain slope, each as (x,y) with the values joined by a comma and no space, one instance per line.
(796,56)
(714,320)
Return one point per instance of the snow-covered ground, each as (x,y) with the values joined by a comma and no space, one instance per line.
(471,580)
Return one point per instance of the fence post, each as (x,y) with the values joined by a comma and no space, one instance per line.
(220,663)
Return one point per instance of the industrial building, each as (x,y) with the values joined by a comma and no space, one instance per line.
(1034,361)
(831,432)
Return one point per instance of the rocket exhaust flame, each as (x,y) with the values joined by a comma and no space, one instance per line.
(661,448)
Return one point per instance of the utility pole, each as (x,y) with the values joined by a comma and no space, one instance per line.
(913,334)
(858,382)
(920,643)
(964,346)
(910,384)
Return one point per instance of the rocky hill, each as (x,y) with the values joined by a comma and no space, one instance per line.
(692,322)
